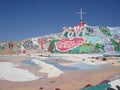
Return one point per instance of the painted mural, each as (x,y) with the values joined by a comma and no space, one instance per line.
(37,43)
(74,40)
(42,42)
(66,44)
(86,39)
(3,45)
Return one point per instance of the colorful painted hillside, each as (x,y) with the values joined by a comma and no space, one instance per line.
(87,39)
(81,38)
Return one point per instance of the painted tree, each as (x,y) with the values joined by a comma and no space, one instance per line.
(105,30)
(116,45)
(42,42)
(52,47)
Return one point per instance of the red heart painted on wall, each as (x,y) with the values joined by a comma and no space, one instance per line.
(66,44)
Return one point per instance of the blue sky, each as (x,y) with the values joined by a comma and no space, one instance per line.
(21,19)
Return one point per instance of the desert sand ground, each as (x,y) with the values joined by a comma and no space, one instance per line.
(68,80)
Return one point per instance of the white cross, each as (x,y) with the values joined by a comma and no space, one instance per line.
(81,13)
